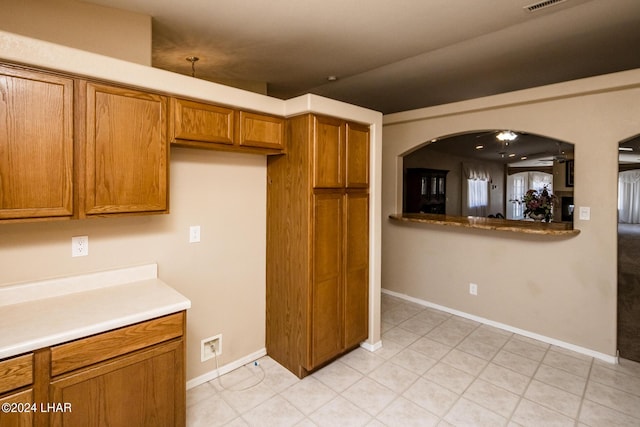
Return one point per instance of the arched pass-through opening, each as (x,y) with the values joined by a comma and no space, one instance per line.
(487,173)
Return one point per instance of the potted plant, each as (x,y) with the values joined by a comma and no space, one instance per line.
(539,204)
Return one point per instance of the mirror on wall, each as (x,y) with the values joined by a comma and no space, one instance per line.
(487,173)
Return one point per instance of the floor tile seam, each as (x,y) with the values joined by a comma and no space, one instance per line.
(584,392)
(605,365)
(300,410)
(626,414)
(338,395)
(614,387)
(520,395)
(581,394)
(476,377)
(551,408)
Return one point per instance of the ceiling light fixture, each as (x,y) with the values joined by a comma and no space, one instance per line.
(479,147)
(193,60)
(625,149)
(506,135)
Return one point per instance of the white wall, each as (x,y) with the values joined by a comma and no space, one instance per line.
(86,26)
(561,288)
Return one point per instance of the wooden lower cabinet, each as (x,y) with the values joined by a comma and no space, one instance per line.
(130,376)
(145,389)
(16,417)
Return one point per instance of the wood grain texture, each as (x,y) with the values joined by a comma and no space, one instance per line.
(127,155)
(356,270)
(87,351)
(357,156)
(36,144)
(261,130)
(17,419)
(317,245)
(328,152)
(198,121)
(288,248)
(145,389)
(16,372)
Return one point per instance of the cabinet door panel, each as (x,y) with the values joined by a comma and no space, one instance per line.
(127,155)
(258,130)
(18,419)
(357,157)
(356,294)
(196,121)
(328,153)
(36,145)
(146,390)
(326,298)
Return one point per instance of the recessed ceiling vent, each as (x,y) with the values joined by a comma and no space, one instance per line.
(542,5)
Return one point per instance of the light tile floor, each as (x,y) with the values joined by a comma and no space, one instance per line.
(435,369)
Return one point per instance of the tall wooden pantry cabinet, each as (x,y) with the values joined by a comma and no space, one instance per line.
(317,242)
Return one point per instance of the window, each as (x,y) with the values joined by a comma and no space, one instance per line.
(629,197)
(477,196)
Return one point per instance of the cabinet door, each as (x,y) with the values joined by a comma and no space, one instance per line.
(356,258)
(197,121)
(36,145)
(21,418)
(326,290)
(258,130)
(357,156)
(328,153)
(126,151)
(146,389)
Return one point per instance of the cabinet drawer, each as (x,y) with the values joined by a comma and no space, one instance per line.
(87,351)
(16,372)
(258,130)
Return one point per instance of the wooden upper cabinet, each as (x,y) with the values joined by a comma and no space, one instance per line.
(126,159)
(197,121)
(357,157)
(328,152)
(36,144)
(259,130)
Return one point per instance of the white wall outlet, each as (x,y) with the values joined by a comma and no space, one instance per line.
(473,289)
(210,347)
(585,213)
(79,246)
(194,234)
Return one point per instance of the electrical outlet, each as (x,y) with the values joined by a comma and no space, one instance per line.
(79,246)
(210,347)
(473,289)
(194,234)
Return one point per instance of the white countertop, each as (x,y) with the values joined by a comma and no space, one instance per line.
(41,314)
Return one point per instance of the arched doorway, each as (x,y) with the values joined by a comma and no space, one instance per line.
(629,249)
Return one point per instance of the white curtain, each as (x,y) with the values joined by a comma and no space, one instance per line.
(629,197)
(475,189)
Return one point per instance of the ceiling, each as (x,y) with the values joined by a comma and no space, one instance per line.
(527,150)
(391,56)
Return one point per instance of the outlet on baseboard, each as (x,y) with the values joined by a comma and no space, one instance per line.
(473,289)
(210,347)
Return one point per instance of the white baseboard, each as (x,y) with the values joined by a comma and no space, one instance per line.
(601,356)
(211,375)
(371,347)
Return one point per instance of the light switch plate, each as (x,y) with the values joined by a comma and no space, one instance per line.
(194,234)
(585,213)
